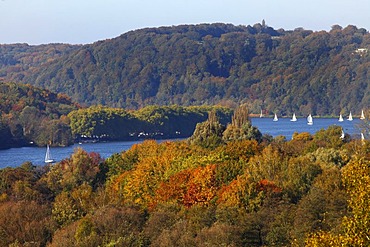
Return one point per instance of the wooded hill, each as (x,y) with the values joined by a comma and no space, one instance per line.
(323,73)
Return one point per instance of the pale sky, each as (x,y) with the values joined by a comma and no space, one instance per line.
(87,21)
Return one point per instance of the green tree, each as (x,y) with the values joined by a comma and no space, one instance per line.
(209,133)
(241,127)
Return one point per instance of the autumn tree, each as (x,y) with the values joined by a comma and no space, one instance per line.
(25,223)
(354,229)
(322,208)
(82,167)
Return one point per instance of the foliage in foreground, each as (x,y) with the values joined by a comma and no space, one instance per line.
(312,190)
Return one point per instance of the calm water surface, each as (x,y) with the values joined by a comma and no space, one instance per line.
(286,128)
(16,156)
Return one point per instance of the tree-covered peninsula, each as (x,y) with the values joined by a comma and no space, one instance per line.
(97,123)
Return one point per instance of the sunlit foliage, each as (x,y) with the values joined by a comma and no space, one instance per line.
(354,229)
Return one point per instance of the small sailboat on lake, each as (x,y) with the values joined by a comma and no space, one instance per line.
(362,115)
(350,118)
(309,120)
(48,158)
(275,118)
(261,114)
(340,118)
(294,118)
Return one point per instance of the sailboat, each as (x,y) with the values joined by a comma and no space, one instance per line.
(275,118)
(294,118)
(309,120)
(350,117)
(342,135)
(261,115)
(48,158)
(362,115)
(340,118)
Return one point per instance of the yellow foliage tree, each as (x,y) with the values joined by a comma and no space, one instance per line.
(354,228)
(241,193)
(139,184)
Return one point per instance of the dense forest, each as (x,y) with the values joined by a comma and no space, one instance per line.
(301,71)
(224,186)
(32,116)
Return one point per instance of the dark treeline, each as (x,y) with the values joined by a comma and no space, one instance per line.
(215,189)
(151,122)
(301,71)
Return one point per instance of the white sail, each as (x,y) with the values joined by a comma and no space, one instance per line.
(261,115)
(362,115)
(294,118)
(309,120)
(48,158)
(275,118)
(350,118)
(340,118)
(342,135)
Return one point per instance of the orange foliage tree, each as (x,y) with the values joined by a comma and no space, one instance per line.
(154,165)
(189,187)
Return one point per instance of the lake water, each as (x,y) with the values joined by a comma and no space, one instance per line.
(286,128)
(16,156)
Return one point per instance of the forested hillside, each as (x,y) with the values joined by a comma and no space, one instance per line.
(19,60)
(29,115)
(275,70)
